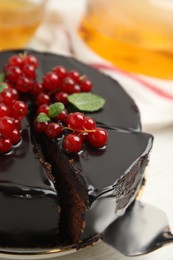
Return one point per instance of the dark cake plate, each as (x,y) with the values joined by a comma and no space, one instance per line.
(40,253)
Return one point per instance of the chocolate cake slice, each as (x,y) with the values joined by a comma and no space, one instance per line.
(96,186)
(50,197)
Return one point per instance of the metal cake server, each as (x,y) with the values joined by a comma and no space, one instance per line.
(141,230)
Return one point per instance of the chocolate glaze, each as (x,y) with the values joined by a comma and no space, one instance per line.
(110,176)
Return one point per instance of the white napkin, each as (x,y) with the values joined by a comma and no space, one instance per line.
(58,34)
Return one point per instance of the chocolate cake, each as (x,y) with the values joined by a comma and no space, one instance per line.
(49,197)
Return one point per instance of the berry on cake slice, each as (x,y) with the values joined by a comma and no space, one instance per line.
(72,143)
(98,138)
(53,130)
(77,128)
(76,120)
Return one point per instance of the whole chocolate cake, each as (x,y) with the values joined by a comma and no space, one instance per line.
(50,197)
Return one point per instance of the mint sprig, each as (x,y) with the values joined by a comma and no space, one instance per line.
(42,118)
(55,109)
(88,102)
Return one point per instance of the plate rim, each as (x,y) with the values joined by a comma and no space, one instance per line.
(40,253)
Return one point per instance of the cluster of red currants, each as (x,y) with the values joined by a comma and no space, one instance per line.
(12,111)
(20,72)
(78,127)
(20,75)
(58,84)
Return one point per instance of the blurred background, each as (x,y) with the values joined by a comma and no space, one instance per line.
(134,35)
(130,40)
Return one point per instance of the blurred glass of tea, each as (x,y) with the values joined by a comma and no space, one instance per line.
(136,35)
(18,21)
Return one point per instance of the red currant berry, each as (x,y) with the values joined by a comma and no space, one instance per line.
(18,109)
(13,73)
(61,97)
(4,111)
(43,109)
(60,71)
(6,97)
(72,143)
(76,120)
(98,138)
(29,72)
(15,60)
(15,136)
(84,137)
(73,74)
(89,123)
(76,89)
(37,88)
(51,81)
(18,124)
(68,85)
(42,99)
(31,60)
(23,84)
(14,93)
(5,144)
(53,130)
(40,127)
(6,126)
(85,85)
(61,117)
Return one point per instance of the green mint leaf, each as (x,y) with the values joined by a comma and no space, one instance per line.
(88,102)
(55,109)
(42,117)
(2,77)
(2,86)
